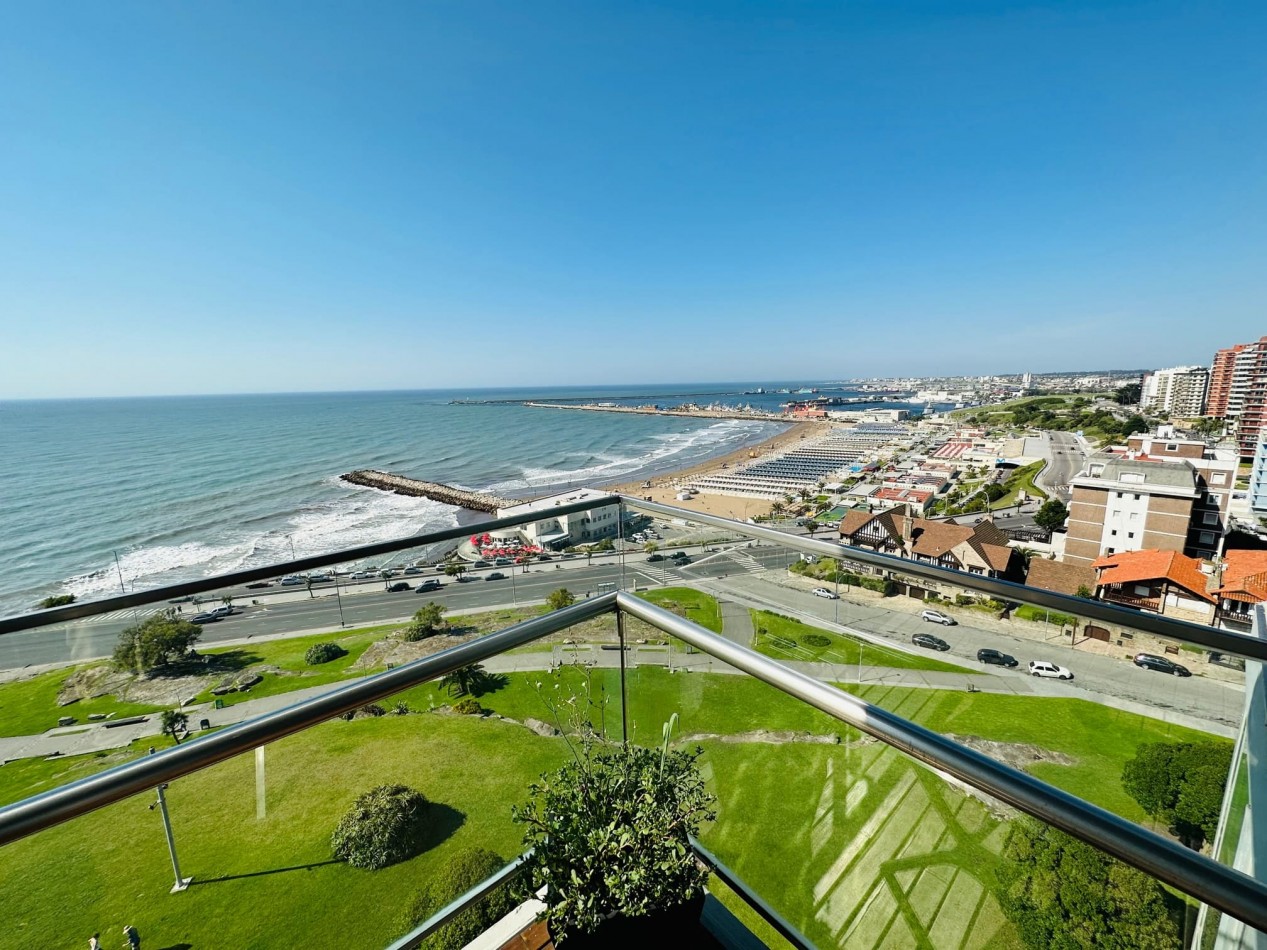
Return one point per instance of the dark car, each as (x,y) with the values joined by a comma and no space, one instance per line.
(481,563)
(203,618)
(678,555)
(258,584)
(429,585)
(398,587)
(930,642)
(996,658)
(652,558)
(1150,661)
(495,576)
(682,561)
(544,557)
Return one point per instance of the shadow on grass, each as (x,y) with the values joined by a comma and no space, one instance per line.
(238,877)
(445,821)
(201,664)
(178,946)
(489,683)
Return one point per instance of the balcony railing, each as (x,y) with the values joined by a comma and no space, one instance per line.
(787,718)
(1113,596)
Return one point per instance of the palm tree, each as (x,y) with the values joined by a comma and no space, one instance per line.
(464,681)
(173,721)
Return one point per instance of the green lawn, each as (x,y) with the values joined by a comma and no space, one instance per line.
(29,707)
(784,639)
(1042,615)
(851,841)
(694,605)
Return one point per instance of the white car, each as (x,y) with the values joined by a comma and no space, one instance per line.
(824,592)
(1043,668)
(936,616)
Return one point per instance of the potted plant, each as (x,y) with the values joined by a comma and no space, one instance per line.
(609,832)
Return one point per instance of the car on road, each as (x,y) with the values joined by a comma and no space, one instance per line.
(495,576)
(430,585)
(398,587)
(259,584)
(678,555)
(1043,668)
(501,561)
(681,561)
(824,592)
(936,616)
(480,563)
(996,658)
(930,642)
(545,557)
(653,558)
(228,610)
(293,579)
(413,570)
(320,578)
(203,618)
(1150,661)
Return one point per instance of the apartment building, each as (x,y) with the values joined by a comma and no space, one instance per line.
(1253,414)
(1180,391)
(1258,478)
(557,531)
(1154,493)
(1238,392)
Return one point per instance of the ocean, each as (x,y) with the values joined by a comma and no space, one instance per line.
(186,487)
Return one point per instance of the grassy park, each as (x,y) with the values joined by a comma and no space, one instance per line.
(785,638)
(850,840)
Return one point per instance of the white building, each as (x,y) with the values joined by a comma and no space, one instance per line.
(560,531)
(1258,479)
(1179,391)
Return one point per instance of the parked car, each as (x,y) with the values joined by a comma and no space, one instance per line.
(431,585)
(320,578)
(203,618)
(1043,668)
(652,558)
(936,616)
(481,563)
(545,557)
(397,587)
(413,570)
(930,642)
(502,561)
(995,658)
(258,584)
(824,592)
(1150,661)
(495,576)
(293,579)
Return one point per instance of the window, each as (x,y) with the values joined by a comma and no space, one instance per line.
(1130,534)
(1137,497)
(1210,517)
(1112,534)
(1134,515)
(1110,550)
(1117,512)
(1207,537)
(1119,494)
(1218,478)
(1172,447)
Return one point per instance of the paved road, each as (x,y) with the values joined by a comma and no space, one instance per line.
(1065,457)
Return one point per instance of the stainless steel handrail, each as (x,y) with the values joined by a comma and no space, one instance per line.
(751,897)
(88,794)
(1229,890)
(78,611)
(1223,641)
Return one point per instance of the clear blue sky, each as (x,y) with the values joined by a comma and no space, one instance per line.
(221,197)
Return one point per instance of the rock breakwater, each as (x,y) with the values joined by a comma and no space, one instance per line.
(446,494)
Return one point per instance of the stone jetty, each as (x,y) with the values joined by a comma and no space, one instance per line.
(400,485)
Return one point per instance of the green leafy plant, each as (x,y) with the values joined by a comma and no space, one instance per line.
(57,600)
(560,598)
(323,653)
(427,622)
(815,640)
(385,825)
(468,707)
(609,832)
(155,642)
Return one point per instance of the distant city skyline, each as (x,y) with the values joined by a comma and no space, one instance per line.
(208,200)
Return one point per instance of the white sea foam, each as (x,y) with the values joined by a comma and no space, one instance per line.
(697,441)
(363,516)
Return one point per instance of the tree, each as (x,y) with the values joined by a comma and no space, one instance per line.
(1182,784)
(1085,592)
(1052,515)
(155,642)
(173,721)
(810,527)
(650,547)
(464,681)
(1128,395)
(454,569)
(1060,892)
(427,622)
(560,598)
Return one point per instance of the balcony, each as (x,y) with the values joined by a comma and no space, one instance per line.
(1114,596)
(869,793)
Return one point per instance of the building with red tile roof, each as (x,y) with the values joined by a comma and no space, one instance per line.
(978,549)
(1160,582)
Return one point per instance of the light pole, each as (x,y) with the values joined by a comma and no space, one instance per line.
(161,805)
(338,598)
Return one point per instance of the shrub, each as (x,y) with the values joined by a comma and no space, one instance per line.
(468,707)
(385,825)
(560,598)
(155,642)
(372,710)
(815,640)
(427,622)
(467,868)
(963,600)
(323,653)
(57,600)
(401,709)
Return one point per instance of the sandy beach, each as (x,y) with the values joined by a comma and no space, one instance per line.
(664,487)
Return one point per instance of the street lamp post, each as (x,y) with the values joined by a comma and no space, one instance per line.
(161,805)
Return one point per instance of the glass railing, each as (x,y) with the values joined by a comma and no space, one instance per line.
(824,821)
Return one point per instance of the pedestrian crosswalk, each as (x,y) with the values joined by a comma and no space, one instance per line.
(114,616)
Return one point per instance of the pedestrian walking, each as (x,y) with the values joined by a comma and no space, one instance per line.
(94,942)
(133,938)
